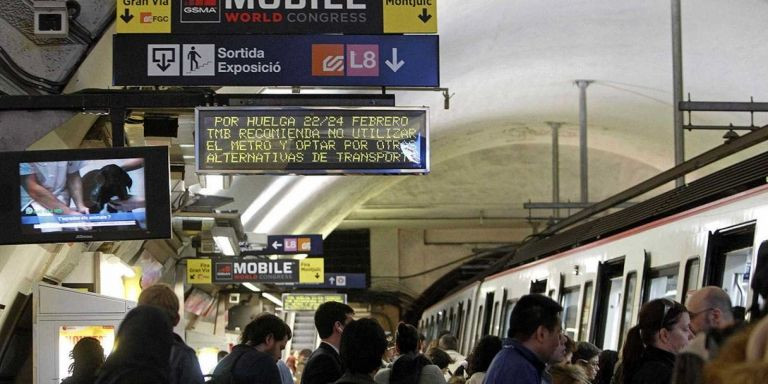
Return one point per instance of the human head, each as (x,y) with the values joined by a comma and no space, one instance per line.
(267,333)
(221,355)
(362,346)
(558,357)
(484,352)
(710,308)
(304,354)
(330,319)
(569,347)
(662,323)
(448,342)
(163,296)
(407,339)
(422,343)
(607,360)
(87,356)
(568,374)
(142,348)
(587,356)
(535,322)
(439,357)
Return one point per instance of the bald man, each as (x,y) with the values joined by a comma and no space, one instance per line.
(710,308)
(711,312)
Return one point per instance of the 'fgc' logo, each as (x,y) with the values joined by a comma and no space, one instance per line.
(331,60)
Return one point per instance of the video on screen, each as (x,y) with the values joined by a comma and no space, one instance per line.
(83,196)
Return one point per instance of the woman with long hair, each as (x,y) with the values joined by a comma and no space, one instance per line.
(663,330)
(481,357)
(87,356)
(410,367)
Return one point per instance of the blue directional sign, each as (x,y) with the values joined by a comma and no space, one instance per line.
(294,244)
(340,281)
(276,60)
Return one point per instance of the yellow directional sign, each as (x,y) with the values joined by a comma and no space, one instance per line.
(199,271)
(143,16)
(309,301)
(410,16)
(311,271)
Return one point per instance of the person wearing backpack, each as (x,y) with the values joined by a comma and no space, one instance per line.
(410,367)
(253,361)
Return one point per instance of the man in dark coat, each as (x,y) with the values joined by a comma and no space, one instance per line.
(324,365)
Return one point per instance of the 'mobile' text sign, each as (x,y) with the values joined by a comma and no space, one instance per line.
(359,17)
(238,270)
(309,301)
(276,60)
(298,140)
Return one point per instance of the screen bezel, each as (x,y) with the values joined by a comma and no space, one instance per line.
(156,173)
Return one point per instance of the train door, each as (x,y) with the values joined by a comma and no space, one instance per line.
(487,315)
(606,317)
(691,277)
(729,261)
(569,300)
(509,305)
(498,329)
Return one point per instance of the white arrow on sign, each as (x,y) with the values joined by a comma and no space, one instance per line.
(276,245)
(394,65)
(332,280)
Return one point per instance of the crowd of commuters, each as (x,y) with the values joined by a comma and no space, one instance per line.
(702,342)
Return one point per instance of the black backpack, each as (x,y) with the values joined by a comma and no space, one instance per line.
(226,376)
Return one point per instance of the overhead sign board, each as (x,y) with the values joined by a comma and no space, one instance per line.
(239,270)
(311,140)
(309,301)
(143,16)
(276,17)
(340,281)
(410,16)
(199,271)
(295,244)
(276,60)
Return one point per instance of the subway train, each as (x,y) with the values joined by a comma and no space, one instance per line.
(601,272)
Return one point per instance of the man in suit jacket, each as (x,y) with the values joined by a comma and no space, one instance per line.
(324,365)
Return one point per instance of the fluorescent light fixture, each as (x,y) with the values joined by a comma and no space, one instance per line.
(264,197)
(252,287)
(300,256)
(272,298)
(226,240)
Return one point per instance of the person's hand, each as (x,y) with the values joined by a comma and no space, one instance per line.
(128,204)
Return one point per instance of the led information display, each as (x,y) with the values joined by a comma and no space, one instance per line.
(309,301)
(301,140)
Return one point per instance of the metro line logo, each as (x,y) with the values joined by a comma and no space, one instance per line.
(360,60)
(327,59)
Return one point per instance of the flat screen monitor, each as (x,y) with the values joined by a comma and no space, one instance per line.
(85,195)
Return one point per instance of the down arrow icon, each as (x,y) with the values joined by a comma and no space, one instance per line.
(394,65)
(424,16)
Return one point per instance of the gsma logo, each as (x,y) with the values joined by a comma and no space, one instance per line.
(327,59)
(200,11)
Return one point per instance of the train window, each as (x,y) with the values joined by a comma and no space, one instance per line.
(479,327)
(510,304)
(691,278)
(570,304)
(495,325)
(488,314)
(586,309)
(460,324)
(629,306)
(729,256)
(661,283)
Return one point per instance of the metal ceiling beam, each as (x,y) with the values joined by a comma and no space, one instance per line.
(717,106)
(706,158)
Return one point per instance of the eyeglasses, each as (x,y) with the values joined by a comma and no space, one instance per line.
(695,314)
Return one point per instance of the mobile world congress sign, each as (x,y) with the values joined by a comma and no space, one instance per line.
(276,16)
(311,140)
(279,60)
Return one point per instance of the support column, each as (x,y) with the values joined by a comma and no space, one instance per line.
(583,84)
(555,165)
(677,93)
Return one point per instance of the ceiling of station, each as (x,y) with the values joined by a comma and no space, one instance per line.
(511,67)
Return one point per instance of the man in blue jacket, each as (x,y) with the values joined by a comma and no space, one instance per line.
(534,332)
